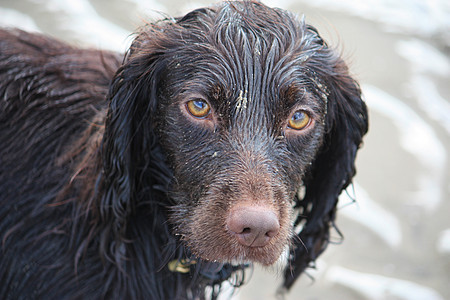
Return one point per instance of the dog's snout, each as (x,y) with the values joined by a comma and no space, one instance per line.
(253,226)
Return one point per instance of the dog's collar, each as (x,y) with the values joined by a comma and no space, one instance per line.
(181,265)
(213,272)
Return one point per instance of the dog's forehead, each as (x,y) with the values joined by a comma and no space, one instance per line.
(249,50)
(241,85)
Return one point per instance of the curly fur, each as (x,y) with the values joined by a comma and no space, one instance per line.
(105,179)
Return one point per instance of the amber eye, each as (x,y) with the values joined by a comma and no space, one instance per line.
(299,120)
(198,108)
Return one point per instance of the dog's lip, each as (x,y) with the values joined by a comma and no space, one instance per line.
(244,255)
(244,261)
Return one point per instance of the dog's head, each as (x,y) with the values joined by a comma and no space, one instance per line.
(249,106)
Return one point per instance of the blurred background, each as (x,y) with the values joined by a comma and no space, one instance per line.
(397,235)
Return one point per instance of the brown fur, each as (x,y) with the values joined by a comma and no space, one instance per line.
(107,180)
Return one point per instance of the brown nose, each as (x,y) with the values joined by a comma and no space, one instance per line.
(253,226)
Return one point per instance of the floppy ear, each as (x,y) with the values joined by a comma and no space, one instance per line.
(333,168)
(129,140)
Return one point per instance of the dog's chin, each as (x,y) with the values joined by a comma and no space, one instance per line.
(237,255)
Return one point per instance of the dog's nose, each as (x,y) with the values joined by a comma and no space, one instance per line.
(253,226)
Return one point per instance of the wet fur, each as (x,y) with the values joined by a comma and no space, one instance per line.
(105,179)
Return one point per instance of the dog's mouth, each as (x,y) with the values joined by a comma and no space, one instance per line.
(238,254)
(225,249)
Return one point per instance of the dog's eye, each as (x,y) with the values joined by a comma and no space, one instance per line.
(299,120)
(198,108)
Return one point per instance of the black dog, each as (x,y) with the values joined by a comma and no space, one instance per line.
(171,172)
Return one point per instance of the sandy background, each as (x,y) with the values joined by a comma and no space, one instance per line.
(397,236)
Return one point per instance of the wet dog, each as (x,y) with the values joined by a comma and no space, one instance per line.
(223,138)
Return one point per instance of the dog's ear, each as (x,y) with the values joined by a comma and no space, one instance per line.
(129,137)
(332,171)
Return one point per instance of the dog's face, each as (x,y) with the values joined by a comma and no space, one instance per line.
(241,121)
(249,105)
(235,146)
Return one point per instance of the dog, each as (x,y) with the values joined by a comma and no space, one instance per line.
(221,139)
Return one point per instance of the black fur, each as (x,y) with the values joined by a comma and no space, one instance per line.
(105,181)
